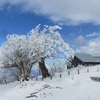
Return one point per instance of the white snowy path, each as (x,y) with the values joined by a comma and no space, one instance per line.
(73,87)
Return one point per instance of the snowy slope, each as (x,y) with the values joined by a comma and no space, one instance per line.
(69,87)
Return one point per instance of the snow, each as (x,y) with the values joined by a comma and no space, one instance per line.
(70,87)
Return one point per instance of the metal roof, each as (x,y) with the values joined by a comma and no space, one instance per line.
(88,58)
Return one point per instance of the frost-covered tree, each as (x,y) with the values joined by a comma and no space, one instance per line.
(15,54)
(47,43)
(22,51)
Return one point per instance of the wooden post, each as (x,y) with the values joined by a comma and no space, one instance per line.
(36,78)
(88,70)
(42,78)
(97,69)
(78,71)
(60,75)
(68,72)
(51,77)
(5,81)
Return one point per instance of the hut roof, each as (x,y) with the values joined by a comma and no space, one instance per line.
(88,58)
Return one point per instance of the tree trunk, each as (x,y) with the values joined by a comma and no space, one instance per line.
(25,72)
(26,78)
(43,68)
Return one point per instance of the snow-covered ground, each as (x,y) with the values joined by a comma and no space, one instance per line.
(69,87)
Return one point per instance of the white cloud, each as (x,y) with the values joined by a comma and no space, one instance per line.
(93,34)
(2,2)
(72,12)
(92,47)
(80,41)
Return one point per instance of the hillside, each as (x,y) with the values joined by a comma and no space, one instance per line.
(68,87)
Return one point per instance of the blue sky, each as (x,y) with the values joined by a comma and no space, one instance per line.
(80,21)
